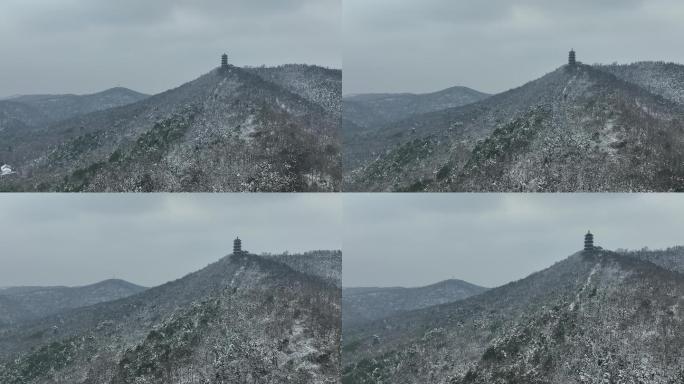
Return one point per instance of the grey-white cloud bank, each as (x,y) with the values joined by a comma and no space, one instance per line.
(492,239)
(84,46)
(148,239)
(495,45)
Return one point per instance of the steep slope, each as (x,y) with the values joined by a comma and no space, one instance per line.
(671,258)
(595,317)
(575,129)
(660,78)
(61,107)
(243,319)
(366,304)
(228,130)
(321,86)
(324,264)
(43,301)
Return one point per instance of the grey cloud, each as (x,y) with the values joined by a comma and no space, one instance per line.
(491,239)
(396,46)
(48,15)
(82,46)
(152,238)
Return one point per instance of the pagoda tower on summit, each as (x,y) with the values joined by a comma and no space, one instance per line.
(588,241)
(237,246)
(571,58)
(224,61)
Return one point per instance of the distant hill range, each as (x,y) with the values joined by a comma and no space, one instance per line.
(242,319)
(360,305)
(26,111)
(578,128)
(596,317)
(60,107)
(19,304)
(363,114)
(374,109)
(232,129)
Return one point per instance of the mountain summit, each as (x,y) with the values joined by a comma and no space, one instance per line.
(598,316)
(578,128)
(232,129)
(242,319)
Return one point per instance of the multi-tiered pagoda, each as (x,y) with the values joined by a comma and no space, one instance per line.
(224,61)
(237,246)
(571,58)
(588,241)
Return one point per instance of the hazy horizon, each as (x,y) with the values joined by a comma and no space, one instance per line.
(411,240)
(87,46)
(496,46)
(149,239)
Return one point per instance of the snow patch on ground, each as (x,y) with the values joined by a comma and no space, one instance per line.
(283,106)
(646,109)
(237,274)
(6,170)
(248,127)
(221,84)
(609,137)
(303,344)
(301,349)
(569,84)
(573,305)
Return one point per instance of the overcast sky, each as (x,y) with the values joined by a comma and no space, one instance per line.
(495,45)
(492,239)
(148,239)
(83,46)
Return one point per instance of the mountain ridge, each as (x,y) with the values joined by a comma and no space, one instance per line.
(58,107)
(661,78)
(240,318)
(365,114)
(28,288)
(33,302)
(227,130)
(534,329)
(373,303)
(571,111)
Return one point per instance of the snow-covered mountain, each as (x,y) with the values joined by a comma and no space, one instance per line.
(578,128)
(232,129)
(660,78)
(595,317)
(361,305)
(364,114)
(321,86)
(243,319)
(16,116)
(374,110)
(61,107)
(37,302)
(325,264)
(12,312)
